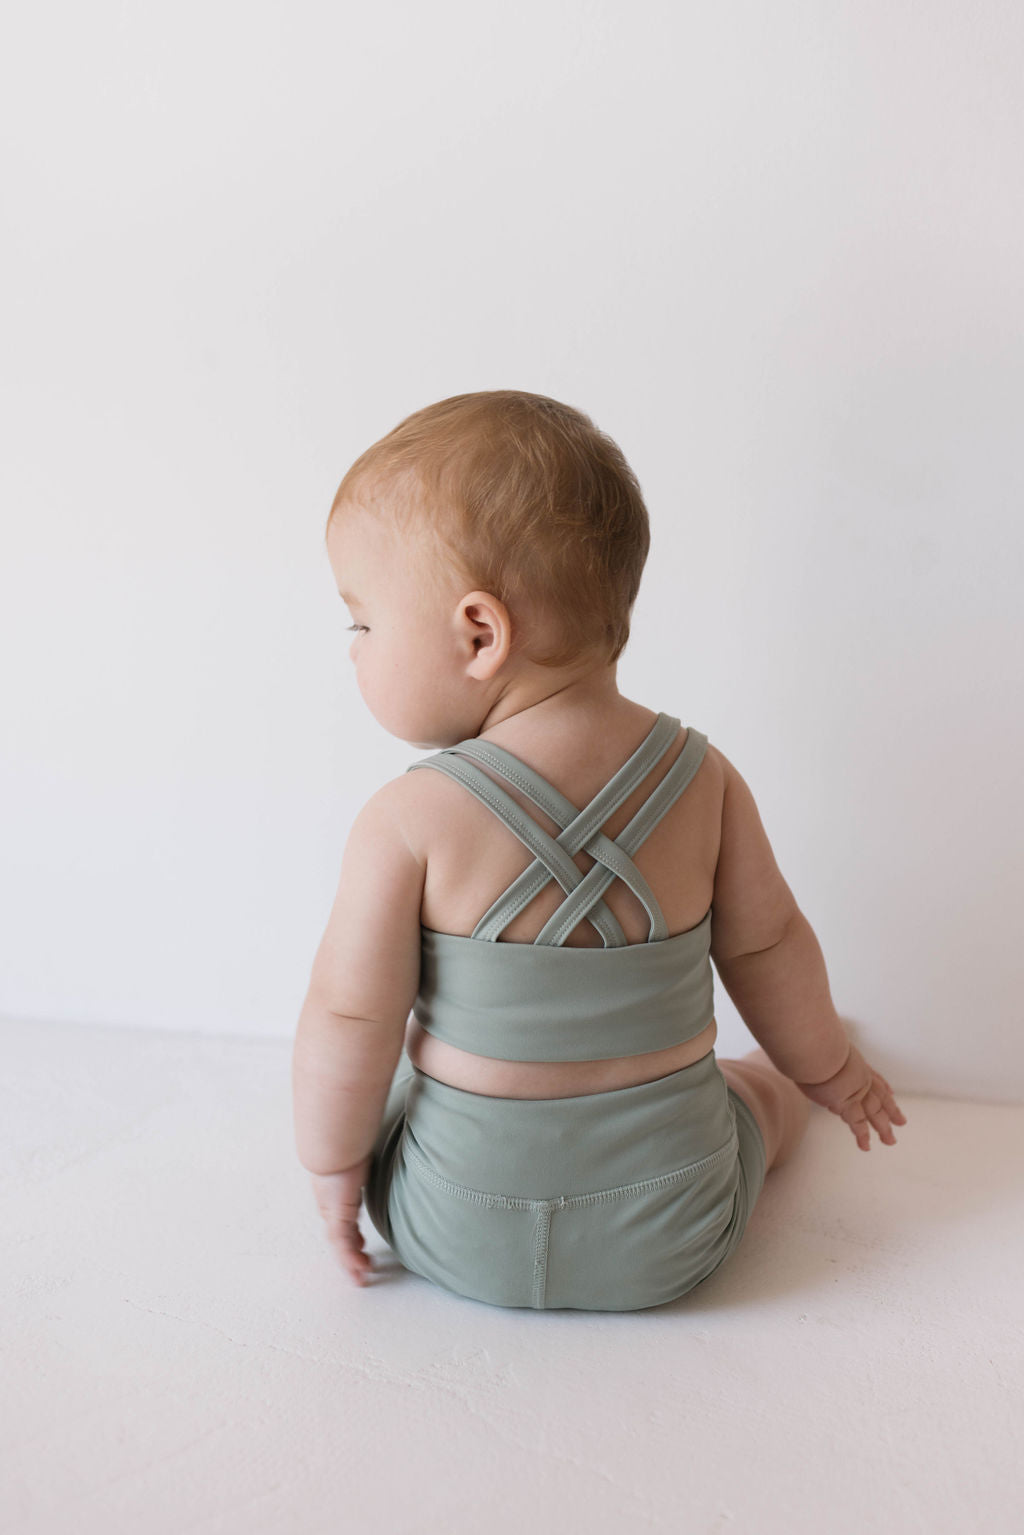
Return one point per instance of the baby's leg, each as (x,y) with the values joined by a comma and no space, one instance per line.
(778,1105)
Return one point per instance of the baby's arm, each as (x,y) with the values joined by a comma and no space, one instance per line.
(770,963)
(352,1026)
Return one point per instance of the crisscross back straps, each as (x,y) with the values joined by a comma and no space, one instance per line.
(580,828)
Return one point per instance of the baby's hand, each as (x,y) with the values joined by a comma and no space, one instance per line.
(860,1096)
(338,1197)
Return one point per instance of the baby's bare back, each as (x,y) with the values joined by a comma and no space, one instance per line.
(471,857)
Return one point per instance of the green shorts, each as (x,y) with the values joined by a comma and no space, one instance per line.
(609,1201)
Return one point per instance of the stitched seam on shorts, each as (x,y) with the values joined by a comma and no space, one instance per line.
(541,1238)
(568,1201)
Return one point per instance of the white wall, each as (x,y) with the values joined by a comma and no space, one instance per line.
(775,249)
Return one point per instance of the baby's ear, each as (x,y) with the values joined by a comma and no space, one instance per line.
(488,631)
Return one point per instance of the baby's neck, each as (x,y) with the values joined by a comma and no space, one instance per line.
(539,699)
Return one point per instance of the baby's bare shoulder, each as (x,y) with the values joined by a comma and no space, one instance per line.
(715,766)
(428,805)
(419,804)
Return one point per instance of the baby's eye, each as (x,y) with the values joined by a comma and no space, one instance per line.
(358,626)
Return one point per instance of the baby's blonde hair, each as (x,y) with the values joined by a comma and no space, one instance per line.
(526,499)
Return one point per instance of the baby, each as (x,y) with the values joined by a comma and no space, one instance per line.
(507,1043)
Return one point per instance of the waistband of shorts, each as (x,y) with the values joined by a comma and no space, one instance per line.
(582,1143)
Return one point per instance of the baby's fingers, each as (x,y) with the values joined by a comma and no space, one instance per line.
(359,1266)
(870,1112)
(858,1123)
(347,1240)
(356,1262)
(889,1103)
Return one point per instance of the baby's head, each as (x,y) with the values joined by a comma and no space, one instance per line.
(489,549)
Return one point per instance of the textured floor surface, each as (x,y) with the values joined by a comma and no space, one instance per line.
(182,1355)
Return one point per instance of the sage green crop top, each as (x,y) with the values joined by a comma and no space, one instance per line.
(543,1001)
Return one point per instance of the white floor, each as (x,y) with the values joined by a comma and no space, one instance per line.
(181,1354)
